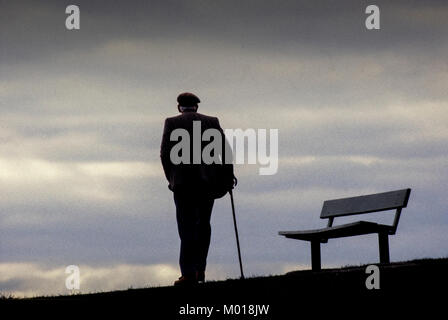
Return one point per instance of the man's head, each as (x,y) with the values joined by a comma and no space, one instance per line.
(187,102)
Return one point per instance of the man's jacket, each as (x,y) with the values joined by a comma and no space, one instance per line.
(206,176)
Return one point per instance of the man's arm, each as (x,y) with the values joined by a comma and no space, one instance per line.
(165,150)
(227,155)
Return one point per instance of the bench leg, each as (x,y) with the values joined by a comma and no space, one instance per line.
(315,255)
(383,240)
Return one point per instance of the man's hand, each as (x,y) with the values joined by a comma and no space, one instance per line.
(235,182)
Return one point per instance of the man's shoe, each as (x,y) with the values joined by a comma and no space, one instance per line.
(185,281)
(200,276)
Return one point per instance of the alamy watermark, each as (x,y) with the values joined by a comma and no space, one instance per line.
(189,150)
(373,280)
(72,22)
(73,280)
(373,19)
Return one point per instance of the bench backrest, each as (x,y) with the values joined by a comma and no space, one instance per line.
(364,204)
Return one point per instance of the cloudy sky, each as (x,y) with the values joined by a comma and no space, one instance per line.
(82,112)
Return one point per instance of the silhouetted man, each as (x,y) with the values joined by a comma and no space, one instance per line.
(192,185)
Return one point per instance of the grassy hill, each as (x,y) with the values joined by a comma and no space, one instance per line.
(420,283)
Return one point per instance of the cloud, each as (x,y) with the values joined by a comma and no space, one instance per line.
(89,180)
(30,279)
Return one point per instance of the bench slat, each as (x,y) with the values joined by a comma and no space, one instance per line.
(365,204)
(343,230)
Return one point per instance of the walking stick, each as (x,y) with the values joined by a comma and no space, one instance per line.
(236,233)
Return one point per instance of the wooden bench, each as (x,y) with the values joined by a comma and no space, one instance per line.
(393,200)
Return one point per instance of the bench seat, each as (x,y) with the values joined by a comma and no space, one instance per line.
(339,231)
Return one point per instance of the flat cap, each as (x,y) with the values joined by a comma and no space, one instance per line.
(187,99)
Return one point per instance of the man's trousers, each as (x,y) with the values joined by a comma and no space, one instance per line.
(193,213)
